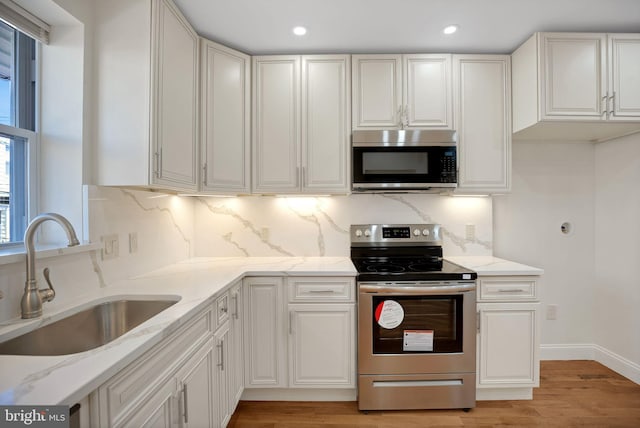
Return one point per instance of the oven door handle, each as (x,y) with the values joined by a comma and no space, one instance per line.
(412,289)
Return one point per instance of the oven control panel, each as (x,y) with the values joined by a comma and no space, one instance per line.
(401,234)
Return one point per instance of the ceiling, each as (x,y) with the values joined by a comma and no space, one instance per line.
(399,26)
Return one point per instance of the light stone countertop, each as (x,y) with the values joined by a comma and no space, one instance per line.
(494,266)
(49,380)
(197,282)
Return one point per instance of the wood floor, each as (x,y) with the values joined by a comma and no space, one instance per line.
(571,393)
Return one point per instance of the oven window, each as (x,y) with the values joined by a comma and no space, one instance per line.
(426,324)
(395,163)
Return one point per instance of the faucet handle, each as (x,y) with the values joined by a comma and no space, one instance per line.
(47,295)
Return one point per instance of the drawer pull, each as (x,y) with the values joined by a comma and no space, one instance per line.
(322,291)
(511,290)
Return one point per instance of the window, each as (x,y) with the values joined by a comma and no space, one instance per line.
(17,131)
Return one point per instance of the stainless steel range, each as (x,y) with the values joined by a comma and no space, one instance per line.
(416,320)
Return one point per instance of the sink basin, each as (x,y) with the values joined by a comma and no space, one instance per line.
(85,330)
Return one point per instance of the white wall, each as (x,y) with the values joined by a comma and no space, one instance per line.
(617,239)
(553,182)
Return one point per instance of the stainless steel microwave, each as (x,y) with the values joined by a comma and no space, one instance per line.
(404,160)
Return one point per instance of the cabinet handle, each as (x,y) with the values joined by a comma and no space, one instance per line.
(304,176)
(185,406)
(158,162)
(322,291)
(235,306)
(605,104)
(478,321)
(204,174)
(512,290)
(613,104)
(290,322)
(220,346)
(406,115)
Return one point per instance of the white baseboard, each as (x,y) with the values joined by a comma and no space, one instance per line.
(591,351)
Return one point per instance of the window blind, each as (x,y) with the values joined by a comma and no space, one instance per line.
(17,17)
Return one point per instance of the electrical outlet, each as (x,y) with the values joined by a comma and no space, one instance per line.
(470,232)
(552,312)
(264,233)
(110,246)
(133,242)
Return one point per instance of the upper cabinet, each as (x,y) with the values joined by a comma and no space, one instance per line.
(301,124)
(146,97)
(402,91)
(576,86)
(482,120)
(225,119)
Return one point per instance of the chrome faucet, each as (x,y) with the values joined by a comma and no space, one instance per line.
(33,298)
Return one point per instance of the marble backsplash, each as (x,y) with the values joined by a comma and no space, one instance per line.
(170,228)
(319,226)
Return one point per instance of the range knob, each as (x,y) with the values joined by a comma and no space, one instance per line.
(425,232)
(416,232)
(367,233)
(358,233)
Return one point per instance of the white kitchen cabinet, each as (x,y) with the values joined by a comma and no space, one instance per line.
(222,376)
(508,338)
(264,333)
(171,382)
(299,334)
(146,57)
(196,390)
(483,122)
(236,383)
(322,345)
(300,124)
(576,86)
(402,91)
(225,120)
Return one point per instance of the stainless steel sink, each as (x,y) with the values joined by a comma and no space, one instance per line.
(89,329)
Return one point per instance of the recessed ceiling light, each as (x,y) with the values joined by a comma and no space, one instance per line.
(299,31)
(450,29)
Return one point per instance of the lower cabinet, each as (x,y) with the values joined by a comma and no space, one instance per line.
(170,385)
(300,333)
(191,379)
(508,338)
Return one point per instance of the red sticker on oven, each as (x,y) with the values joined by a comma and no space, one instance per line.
(389,314)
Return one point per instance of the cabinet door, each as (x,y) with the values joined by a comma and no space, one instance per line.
(264,333)
(427,91)
(196,396)
(483,122)
(222,376)
(325,123)
(508,345)
(573,73)
(226,122)
(624,84)
(159,411)
(174,98)
(235,349)
(377,91)
(322,345)
(276,124)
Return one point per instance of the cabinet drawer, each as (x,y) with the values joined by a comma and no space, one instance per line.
(506,289)
(123,392)
(321,289)
(222,310)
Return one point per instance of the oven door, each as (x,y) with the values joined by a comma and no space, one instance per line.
(403,167)
(409,329)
